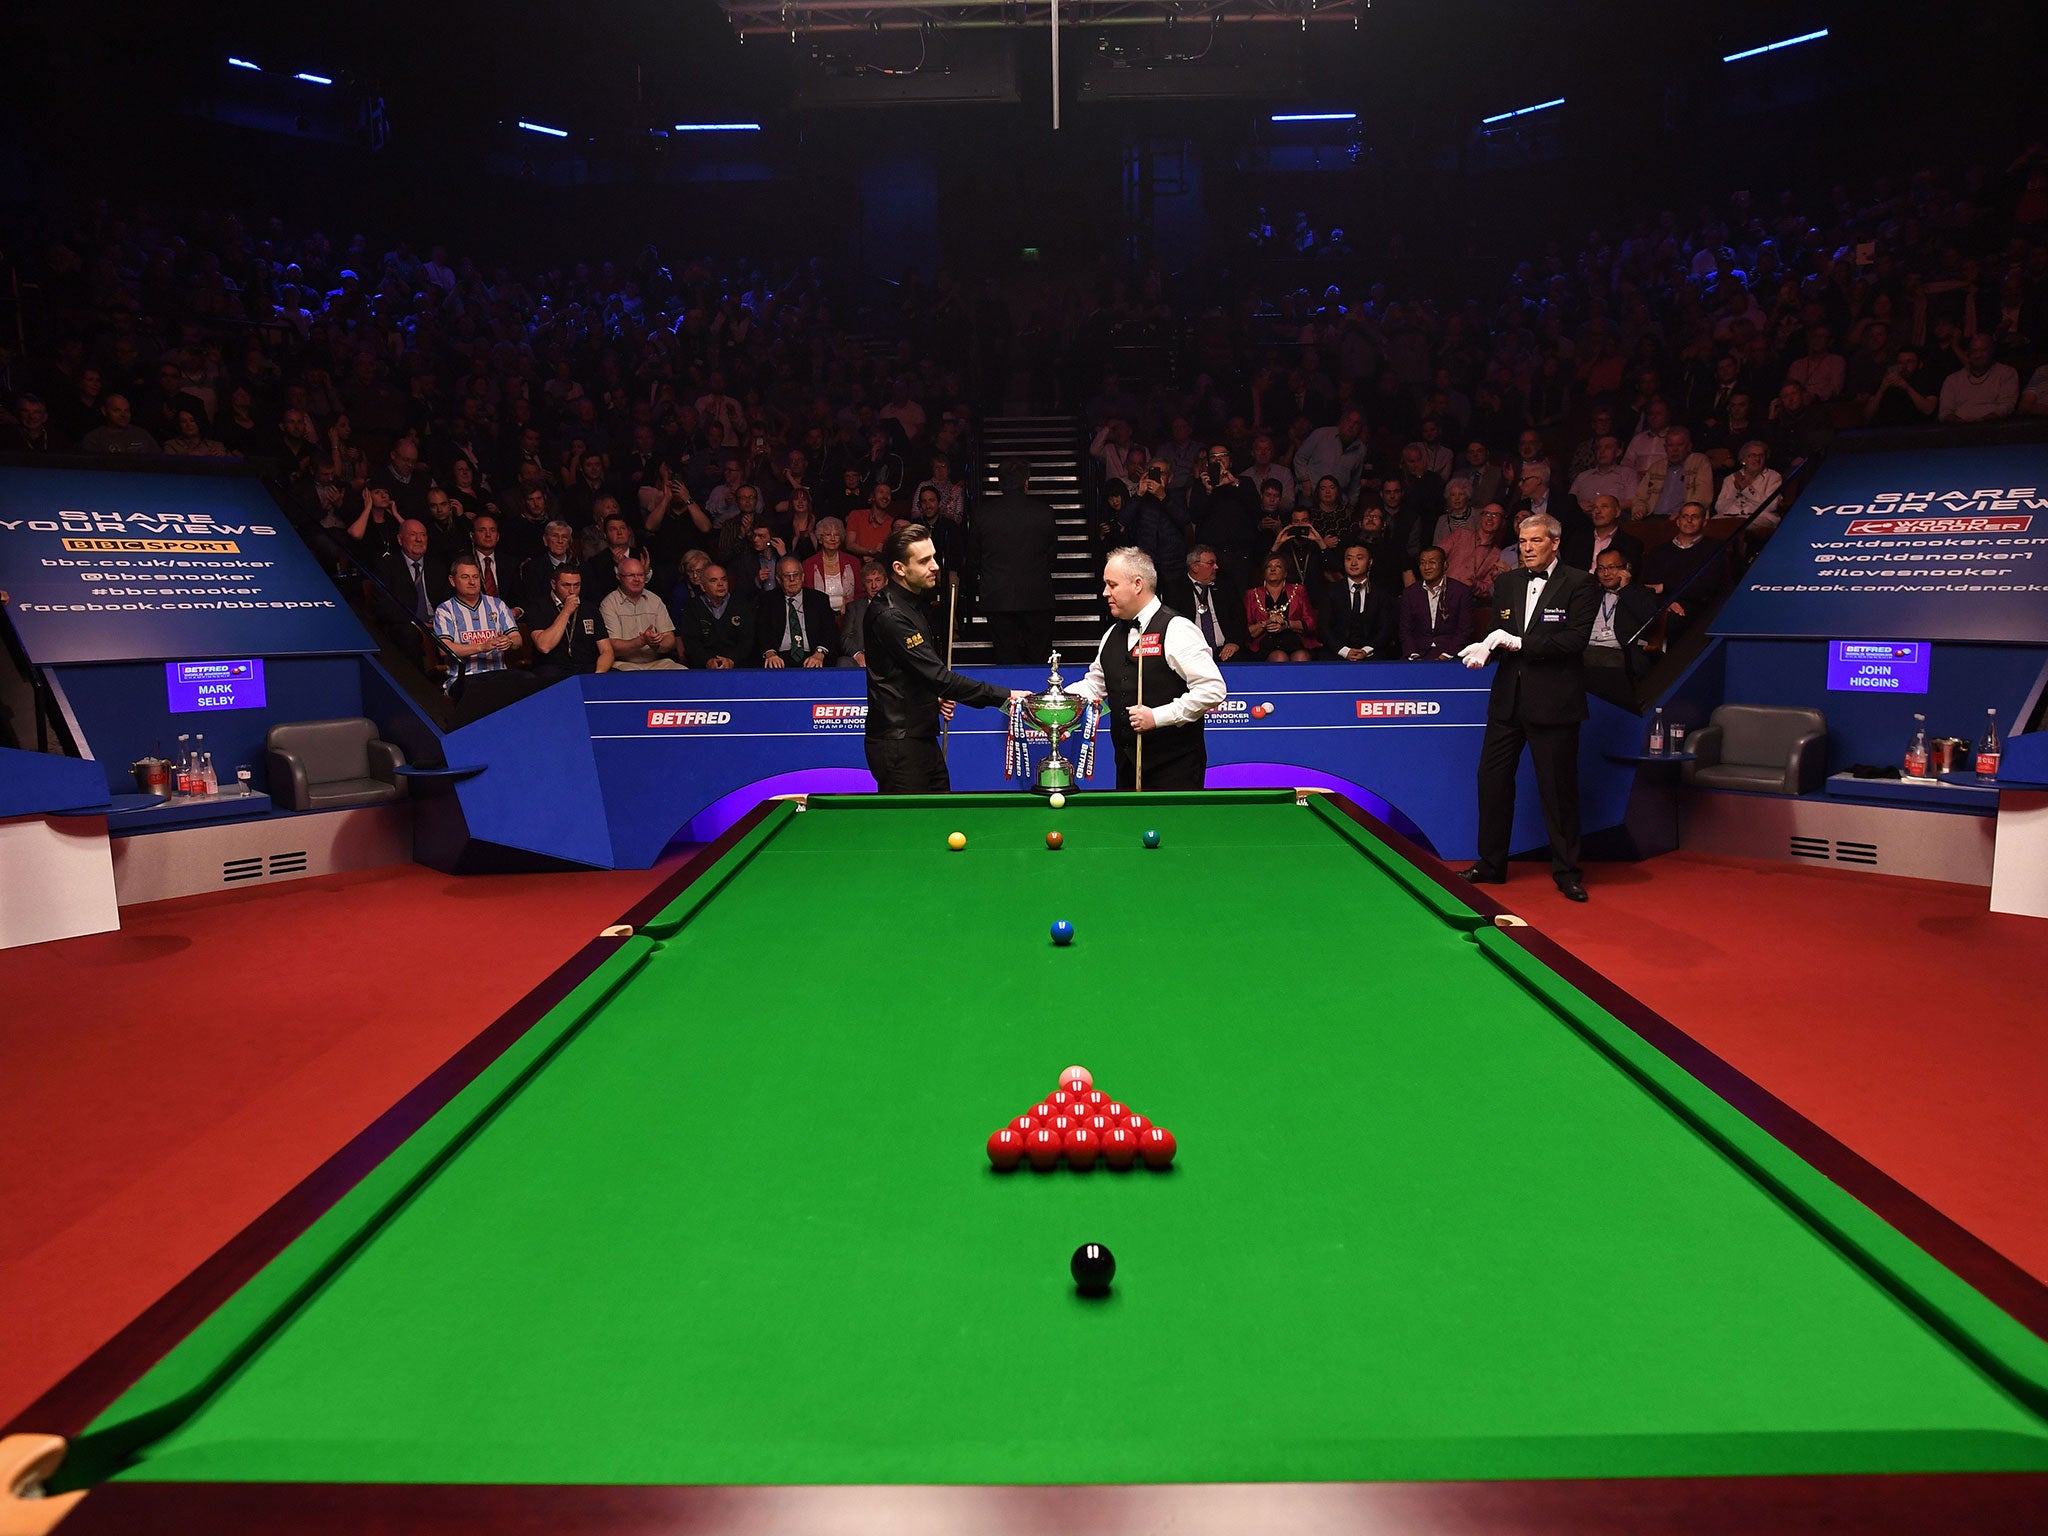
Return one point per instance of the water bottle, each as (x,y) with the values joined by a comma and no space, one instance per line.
(184,770)
(203,782)
(1916,749)
(1988,749)
(1657,734)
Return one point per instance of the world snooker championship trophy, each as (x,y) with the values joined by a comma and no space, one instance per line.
(1054,714)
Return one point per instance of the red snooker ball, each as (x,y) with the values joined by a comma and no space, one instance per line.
(1156,1146)
(1042,1149)
(1053,840)
(1136,1124)
(1119,1148)
(1059,1096)
(1115,1111)
(1045,1109)
(1024,1125)
(1005,1150)
(1101,1125)
(1082,1147)
(1063,1123)
(1094,1098)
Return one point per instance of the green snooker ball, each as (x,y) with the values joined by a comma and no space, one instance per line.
(1151,839)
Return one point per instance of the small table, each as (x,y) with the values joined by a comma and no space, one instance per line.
(1660,799)
(116,805)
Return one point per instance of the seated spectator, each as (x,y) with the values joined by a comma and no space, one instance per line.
(1602,531)
(1482,477)
(1329,513)
(537,574)
(1646,448)
(117,433)
(832,570)
(1725,441)
(1277,615)
(601,570)
(1338,452)
(402,476)
(413,574)
(189,439)
(867,529)
(1392,566)
(1687,570)
(446,529)
(1617,655)
(1356,620)
(1472,556)
(1530,456)
(717,624)
(1983,389)
(794,625)
(32,432)
(477,628)
(1459,513)
(1226,511)
(1679,476)
(637,623)
(1797,426)
(568,639)
(2034,399)
(1608,476)
(1265,467)
(1301,547)
(853,646)
(1898,400)
(1822,371)
(1202,597)
(722,504)
(1436,612)
(483,537)
(1753,485)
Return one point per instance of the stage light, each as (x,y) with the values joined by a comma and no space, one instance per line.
(244,64)
(1501,117)
(718,127)
(312,79)
(1789,42)
(1315,117)
(553,133)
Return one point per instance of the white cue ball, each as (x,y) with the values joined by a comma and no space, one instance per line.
(1058,800)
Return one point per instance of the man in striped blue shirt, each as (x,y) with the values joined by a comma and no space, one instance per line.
(472,624)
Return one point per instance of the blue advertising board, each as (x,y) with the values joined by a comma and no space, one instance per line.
(1879,666)
(1947,544)
(196,687)
(637,759)
(110,566)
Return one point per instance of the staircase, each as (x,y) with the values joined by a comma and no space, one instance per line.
(1054,446)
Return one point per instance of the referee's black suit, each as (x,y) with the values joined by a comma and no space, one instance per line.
(1538,700)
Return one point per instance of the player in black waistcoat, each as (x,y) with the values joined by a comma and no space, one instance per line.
(1543,620)
(907,674)
(1181,681)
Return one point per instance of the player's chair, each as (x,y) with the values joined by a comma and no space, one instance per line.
(1763,749)
(325,765)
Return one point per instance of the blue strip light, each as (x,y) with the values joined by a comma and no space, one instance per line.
(718,127)
(1790,42)
(1315,117)
(244,64)
(553,133)
(312,79)
(1501,117)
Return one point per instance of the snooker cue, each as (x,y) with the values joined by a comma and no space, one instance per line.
(952,595)
(1138,778)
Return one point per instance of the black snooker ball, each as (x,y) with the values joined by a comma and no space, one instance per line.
(1094,1266)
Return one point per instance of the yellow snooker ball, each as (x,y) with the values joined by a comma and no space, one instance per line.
(1058,800)
(957,841)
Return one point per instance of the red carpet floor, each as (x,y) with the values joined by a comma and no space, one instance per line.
(162,1085)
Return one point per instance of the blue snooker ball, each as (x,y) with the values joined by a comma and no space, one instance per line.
(1151,839)
(1063,932)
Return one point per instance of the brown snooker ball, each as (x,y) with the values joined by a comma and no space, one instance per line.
(1053,840)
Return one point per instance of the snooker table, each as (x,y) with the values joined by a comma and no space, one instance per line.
(703,1235)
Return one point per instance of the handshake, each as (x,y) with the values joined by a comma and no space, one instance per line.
(1479,652)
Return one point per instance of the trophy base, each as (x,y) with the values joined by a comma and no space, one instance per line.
(1055,773)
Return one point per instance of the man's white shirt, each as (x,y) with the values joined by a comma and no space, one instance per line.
(1186,652)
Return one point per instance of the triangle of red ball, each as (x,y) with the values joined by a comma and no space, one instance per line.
(1079,1127)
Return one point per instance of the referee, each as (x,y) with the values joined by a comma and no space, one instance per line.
(1180,687)
(907,675)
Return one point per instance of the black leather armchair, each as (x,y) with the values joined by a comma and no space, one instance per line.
(325,765)
(1764,749)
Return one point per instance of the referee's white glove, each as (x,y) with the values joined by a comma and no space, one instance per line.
(1475,655)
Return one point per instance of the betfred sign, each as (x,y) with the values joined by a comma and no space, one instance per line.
(1884,527)
(838,712)
(1397,709)
(665,719)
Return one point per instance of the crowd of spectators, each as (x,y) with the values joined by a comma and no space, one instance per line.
(627,464)
(618,464)
(1649,392)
